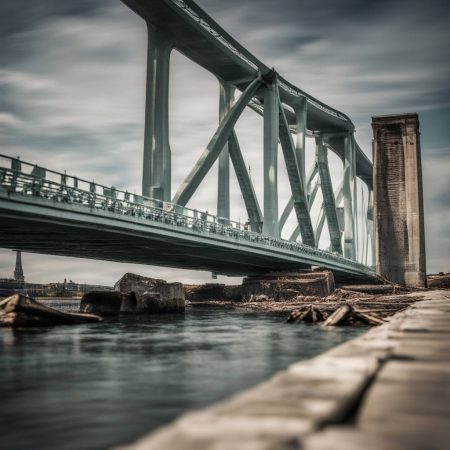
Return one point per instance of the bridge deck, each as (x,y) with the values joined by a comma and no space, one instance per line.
(74,217)
(41,225)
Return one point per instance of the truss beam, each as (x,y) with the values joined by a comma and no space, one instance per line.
(215,146)
(329,204)
(299,199)
(245,183)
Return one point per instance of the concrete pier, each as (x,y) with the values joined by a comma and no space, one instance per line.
(387,389)
(398,200)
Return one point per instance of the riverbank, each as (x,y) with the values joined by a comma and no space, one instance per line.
(387,389)
(380,305)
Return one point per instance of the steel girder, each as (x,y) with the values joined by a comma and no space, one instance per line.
(329,204)
(299,199)
(215,146)
(245,183)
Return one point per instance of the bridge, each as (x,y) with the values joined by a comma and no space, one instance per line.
(49,212)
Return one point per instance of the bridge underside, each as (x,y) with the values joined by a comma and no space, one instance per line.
(71,231)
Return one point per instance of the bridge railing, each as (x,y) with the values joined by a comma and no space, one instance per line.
(19,177)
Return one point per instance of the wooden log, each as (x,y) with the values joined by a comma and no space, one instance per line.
(316,314)
(366,317)
(338,316)
(311,314)
(297,316)
(20,310)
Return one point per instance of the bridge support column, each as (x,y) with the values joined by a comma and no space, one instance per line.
(370,228)
(348,190)
(398,200)
(300,147)
(156,178)
(271,129)
(329,204)
(223,188)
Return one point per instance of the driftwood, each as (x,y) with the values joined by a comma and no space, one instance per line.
(20,311)
(366,317)
(311,314)
(344,313)
(338,316)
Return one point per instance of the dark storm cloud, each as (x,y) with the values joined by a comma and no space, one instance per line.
(21,15)
(72,87)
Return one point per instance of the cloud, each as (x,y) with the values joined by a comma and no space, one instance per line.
(72,90)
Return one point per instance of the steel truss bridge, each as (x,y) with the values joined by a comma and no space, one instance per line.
(48,212)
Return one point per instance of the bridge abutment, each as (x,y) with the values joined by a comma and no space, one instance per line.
(398,200)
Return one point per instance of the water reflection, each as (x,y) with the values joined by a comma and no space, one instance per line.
(97,385)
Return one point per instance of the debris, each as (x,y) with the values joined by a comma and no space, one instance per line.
(22,311)
(338,316)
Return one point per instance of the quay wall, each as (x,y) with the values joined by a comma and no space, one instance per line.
(387,380)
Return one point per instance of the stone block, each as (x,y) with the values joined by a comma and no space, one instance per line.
(107,303)
(288,286)
(150,295)
(169,299)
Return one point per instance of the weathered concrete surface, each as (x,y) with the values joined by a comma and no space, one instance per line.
(107,303)
(212,291)
(398,200)
(169,299)
(287,286)
(408,406)
(152,295)
(274,287)
(394,379)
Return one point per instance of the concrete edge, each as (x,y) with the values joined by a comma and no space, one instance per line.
(292,404)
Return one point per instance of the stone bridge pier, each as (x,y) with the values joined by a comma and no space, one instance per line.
(398,200)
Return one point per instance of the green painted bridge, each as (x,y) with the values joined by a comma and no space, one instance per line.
(74,217)
(47,212)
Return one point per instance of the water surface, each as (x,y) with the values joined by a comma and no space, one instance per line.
(94,386)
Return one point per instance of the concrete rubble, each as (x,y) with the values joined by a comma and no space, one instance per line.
(274,287)
(135,294)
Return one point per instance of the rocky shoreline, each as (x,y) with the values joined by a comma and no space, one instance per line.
(308,296)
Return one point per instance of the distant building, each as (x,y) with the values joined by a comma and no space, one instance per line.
(10,286)
(18,271)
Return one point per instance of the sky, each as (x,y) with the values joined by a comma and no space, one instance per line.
(72,94)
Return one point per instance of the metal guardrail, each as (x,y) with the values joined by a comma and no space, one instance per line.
(30,180)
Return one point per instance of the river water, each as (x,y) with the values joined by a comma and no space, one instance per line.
(94,386)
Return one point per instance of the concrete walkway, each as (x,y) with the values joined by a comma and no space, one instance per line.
(388,389)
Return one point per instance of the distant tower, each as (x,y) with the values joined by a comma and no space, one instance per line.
(18,271)
(398,200)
